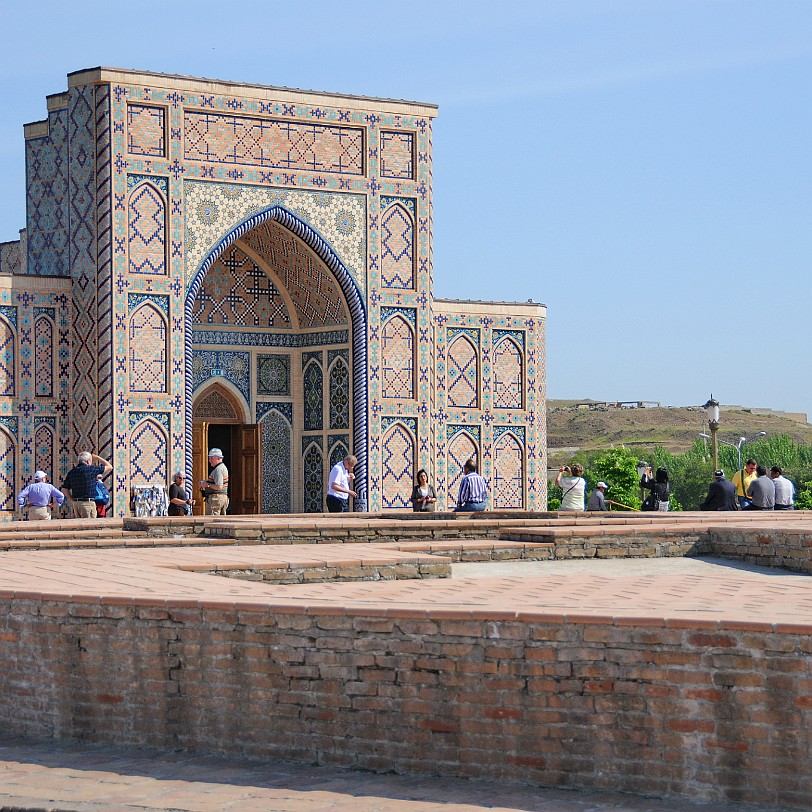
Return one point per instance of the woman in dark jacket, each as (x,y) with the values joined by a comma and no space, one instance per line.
(659,487)
(424,496)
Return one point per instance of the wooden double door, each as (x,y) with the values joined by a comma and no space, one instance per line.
(240,444)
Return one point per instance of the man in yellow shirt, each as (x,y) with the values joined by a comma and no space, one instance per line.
(742,481)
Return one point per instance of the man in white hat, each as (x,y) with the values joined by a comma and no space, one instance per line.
(39,498)
(597,500)
(215,488)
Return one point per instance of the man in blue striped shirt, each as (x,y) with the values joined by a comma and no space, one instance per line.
(473,490)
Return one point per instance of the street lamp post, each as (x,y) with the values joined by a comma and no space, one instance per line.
(712,411)
(737,445)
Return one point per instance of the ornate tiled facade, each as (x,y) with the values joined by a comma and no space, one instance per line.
(204,254)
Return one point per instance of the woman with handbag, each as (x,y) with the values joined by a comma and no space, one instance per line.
(659,498)
(180,499)
(573,485)
(424,497)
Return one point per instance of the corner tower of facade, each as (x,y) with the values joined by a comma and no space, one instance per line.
(251,267)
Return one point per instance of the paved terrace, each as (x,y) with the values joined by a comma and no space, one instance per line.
(669,684)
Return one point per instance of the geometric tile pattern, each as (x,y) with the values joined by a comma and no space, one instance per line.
(8,473)
(397,155)
(397,248)
(313,480)
(233,366)
(44,449)
(215,406)
(339,395)
(316,296)
(398,449)
(508,473)
(228,139)
(339,450)
(212,209)
(148,454)
(83,268)
(313,396)
(273,375)
(43,357)
(46,162)
(461,448)
(462,376)
(11,257)
(148,350)
(108,381)
(276,463)
(7,340)
(237,292)
(146,132)
(147,230)
(507,375)
(397,357)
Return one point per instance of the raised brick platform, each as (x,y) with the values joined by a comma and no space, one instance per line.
(671,685)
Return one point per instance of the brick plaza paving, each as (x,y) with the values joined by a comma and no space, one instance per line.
(63,777)
(125,570)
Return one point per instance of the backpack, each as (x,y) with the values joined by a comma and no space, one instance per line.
(102,494)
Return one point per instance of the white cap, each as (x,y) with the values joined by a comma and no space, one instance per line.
(603,485)
(215,452)
(40,475)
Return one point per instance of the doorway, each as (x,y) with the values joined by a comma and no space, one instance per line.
(240,444)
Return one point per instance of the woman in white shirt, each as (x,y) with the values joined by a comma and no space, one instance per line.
(573,485)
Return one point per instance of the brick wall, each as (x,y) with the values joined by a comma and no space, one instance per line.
(676,709)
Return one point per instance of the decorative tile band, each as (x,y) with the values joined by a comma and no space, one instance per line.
(291,341)
(409,422)
(160,183)
(452,430)
(516,335)
(285,409)
(158,417)
(229,139)
(135,299)
(408,313)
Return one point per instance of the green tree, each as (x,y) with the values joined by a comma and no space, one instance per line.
(617,467)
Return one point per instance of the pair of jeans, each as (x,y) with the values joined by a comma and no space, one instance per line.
(469,507)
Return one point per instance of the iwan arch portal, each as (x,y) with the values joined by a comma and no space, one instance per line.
(208,263)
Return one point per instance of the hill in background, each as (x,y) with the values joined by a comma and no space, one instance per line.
(570,428)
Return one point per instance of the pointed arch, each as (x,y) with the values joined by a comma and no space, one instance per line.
(339,394)
(397,466)
(44,447)
(508,472)
(148,336)
(462,373)
(7,356)
(149,446)
(220,401)
(462,447)
(358,318)
(397,248)
(507,367)
(397,358)
(146,230)
(44,375)
(313,384)
(338,452)
(277,440)
(8,470)
(313,479)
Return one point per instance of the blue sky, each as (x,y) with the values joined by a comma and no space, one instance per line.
(642,168)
